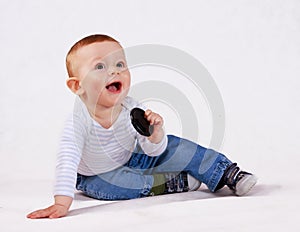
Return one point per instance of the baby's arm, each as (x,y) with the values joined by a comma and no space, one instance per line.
(66,171)
(59,209)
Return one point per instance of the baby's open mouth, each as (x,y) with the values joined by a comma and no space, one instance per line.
(114,87)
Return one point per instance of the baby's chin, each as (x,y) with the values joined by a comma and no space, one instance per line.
(112,101)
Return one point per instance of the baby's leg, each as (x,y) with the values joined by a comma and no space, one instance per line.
(120,184)
(206,165)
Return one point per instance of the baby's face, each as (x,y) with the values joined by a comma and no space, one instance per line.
(103,73)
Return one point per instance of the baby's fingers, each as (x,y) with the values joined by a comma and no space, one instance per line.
(56,214)
(153,118)
(43,213)
(149,116)
(148,113)
(54,211)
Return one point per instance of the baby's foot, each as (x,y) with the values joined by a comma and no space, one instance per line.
(240,182)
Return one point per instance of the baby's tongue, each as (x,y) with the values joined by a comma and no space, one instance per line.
(112,88)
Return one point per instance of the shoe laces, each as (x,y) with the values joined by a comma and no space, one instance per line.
(232,176)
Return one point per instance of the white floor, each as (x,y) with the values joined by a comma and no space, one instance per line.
(269,207)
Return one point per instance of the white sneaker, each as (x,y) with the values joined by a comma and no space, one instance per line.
(240,182)
(194,184)
(245,183)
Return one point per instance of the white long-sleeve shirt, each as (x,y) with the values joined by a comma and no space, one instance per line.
(89,149)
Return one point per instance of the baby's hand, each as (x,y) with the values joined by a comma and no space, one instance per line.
(54,211)
(157,121)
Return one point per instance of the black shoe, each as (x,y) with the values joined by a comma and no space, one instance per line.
(240,182)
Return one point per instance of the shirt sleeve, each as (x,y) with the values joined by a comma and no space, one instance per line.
(68,158)
(152,149)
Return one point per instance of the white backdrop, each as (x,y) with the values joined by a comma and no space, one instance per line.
(250,47)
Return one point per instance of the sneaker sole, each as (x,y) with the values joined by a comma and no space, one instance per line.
(245,185)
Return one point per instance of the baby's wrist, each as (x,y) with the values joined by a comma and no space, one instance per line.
(63,201)
(157,137)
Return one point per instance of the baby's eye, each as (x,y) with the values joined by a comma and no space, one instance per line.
(100,66)
(120,64)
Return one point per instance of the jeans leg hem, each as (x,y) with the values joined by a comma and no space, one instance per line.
(217,175)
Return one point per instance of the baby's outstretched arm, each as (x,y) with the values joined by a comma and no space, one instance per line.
(157,121)
(59,209)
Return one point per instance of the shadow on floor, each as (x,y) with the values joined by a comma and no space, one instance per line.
(201,194)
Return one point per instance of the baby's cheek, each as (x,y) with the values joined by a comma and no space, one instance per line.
(97,83)
(127,80)
(98,89)
(94,87)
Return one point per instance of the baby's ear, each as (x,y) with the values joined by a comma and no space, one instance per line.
(74,85)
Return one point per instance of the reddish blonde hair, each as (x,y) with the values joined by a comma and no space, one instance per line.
(84,42)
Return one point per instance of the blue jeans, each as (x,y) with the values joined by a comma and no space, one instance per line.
(135,178)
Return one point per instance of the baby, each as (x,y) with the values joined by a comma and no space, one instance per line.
(103,156)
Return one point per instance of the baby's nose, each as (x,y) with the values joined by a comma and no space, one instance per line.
(113,71)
